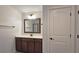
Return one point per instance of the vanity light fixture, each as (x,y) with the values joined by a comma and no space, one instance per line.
(31,16)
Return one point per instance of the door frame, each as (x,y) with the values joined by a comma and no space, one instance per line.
(77,40)
(46,9)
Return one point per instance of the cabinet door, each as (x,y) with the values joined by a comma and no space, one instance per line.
(38,45)
(18,44)
(24,45)
(30,43)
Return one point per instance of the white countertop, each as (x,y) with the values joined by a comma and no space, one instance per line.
(29,36)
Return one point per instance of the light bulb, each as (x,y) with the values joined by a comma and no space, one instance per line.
(31,16)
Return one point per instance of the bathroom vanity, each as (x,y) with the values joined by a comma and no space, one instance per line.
(28,44)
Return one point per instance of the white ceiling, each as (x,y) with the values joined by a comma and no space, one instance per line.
(28,8)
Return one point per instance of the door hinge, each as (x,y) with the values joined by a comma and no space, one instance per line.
(70,13)
(78,11)
(77,36)
(70,35)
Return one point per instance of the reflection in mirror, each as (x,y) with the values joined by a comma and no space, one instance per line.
(32,25)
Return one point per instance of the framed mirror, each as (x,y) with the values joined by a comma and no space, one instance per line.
(32,25)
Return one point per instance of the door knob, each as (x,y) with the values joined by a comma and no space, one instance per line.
(51,39)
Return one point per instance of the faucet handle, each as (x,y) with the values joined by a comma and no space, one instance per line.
(31,34)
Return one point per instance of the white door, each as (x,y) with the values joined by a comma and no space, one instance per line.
(60,30)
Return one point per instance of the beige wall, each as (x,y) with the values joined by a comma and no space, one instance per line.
(10,17)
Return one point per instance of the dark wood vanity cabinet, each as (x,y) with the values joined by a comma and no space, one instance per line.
(29,45)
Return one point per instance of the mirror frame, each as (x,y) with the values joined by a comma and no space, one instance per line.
(39,25)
